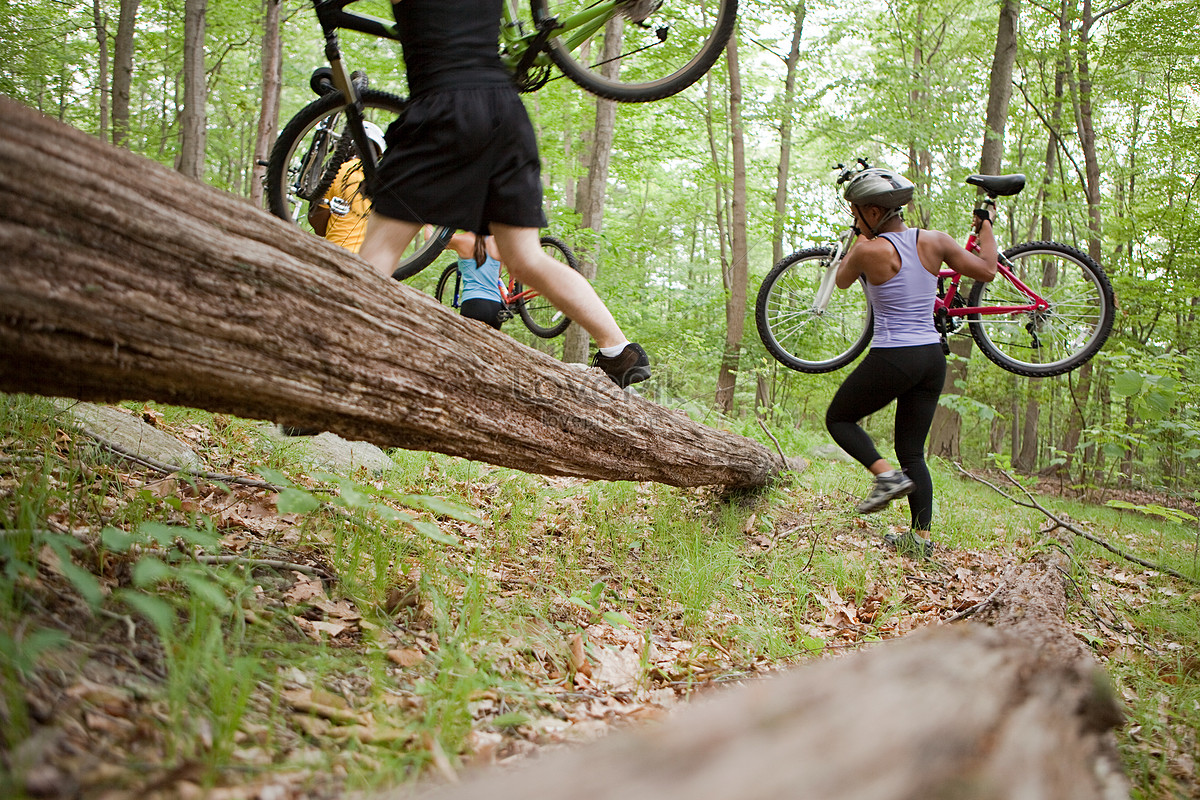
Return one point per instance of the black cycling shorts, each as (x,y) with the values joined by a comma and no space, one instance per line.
(464,158)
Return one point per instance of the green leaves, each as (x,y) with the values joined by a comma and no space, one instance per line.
(367,502)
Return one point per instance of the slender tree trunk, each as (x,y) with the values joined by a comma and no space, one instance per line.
(268,115)
(946,432)
(101,23)
(195,91)
(715,143)
(1000,88)
(1087,143)
(123,72)
(785,133)
(590,201)
(735,300)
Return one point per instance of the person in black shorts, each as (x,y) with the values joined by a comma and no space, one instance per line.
(463,154)
(905,362)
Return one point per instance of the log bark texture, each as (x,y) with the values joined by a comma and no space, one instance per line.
(1011,708)
(120,279)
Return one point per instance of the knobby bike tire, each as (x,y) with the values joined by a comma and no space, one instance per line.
(648,68)
(1043,343)
(448,287)
(288,183)
(539,314)
(794,333)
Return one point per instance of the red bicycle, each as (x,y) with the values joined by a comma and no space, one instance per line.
(1049,309)
(540,317)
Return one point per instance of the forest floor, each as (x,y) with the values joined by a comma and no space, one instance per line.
(174,637)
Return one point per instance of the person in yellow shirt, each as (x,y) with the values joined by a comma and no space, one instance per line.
(341,216)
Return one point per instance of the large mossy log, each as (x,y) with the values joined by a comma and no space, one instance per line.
(1007,706)
(120,279)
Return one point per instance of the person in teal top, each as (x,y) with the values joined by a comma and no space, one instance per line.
(479,269)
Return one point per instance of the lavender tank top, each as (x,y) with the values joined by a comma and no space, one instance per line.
(903,304)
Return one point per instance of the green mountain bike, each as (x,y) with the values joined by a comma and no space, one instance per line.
(626,50)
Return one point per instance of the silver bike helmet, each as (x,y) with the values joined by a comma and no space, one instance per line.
(879,187)
(375,134)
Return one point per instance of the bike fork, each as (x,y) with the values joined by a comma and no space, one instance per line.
(345,83)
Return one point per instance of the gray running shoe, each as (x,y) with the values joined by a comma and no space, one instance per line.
(887,488)
(909,544)
(631,365)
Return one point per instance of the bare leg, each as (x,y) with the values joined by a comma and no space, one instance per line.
(879,467)
(570,292)
(385,241)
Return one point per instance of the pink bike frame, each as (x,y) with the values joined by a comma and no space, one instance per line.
(945,303)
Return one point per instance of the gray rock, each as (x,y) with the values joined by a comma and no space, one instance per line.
(129,434)
(331,452)
(831,452)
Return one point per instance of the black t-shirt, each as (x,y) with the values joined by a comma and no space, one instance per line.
(450,43)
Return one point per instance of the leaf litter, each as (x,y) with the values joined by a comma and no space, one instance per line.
(100,726)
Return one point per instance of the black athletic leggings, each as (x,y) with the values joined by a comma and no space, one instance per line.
(487,311)
(913,377)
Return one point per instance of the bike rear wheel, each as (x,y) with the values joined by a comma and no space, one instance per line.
(653,50)
(798,334)
(539,314)
(1058,339)
(310,150)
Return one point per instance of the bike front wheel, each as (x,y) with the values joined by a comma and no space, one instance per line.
(311,149)
(795,330)
(1053,340)
(539,315)
(448,287)
(635,51)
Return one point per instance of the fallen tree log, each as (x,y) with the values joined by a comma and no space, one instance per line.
(120,279)
(1007,706)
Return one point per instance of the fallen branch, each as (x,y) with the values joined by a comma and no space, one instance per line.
(122,279)
(1066,525)
(174,469)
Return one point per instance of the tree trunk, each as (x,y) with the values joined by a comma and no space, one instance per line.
(946,431)
(785,133)
(594,191)
(195,91)
(1000,88)
(101,23)
(268,115)
(123,72)
(1008,706)
(737,275)
(1087,134)
(124,280)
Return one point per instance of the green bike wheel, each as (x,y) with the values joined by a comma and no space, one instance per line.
(635,51)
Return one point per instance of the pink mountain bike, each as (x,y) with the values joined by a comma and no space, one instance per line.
(1049,309)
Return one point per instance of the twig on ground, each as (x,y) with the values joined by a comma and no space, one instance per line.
(173,468)
(1060,523)
(975,608)
(778,449)
(1100,621)
(269,563)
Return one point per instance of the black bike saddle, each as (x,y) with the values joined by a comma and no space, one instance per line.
(998,185)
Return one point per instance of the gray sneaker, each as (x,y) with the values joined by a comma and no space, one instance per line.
(909,544)
(631,365)
(887,488)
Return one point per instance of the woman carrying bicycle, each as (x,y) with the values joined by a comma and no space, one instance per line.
(479,269)
(906,362)
(464,155)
